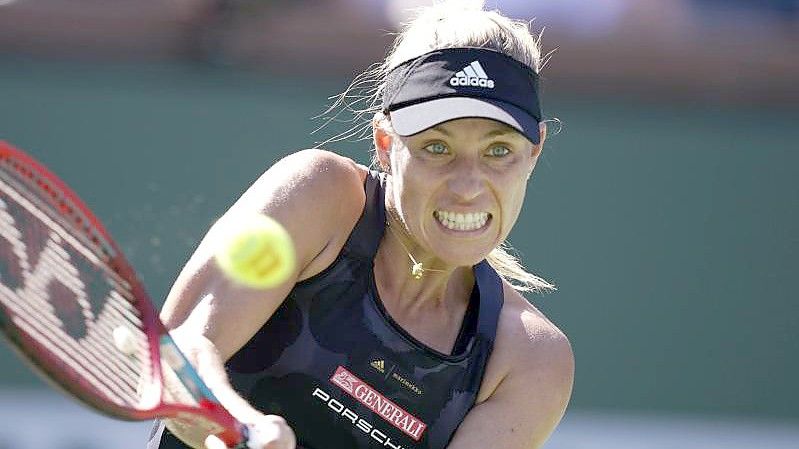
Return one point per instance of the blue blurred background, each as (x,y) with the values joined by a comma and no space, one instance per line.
(666,208)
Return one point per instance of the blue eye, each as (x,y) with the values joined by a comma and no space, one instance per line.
(498,151)
(437,148)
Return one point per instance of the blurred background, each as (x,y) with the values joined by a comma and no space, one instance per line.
(666,208)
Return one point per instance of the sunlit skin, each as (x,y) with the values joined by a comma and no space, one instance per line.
(469,165)
(465,165)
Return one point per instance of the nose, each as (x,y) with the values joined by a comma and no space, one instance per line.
(466,180)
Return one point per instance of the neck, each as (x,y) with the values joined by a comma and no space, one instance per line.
(435,284)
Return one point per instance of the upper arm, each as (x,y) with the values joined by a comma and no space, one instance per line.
(527,404)
(317,196)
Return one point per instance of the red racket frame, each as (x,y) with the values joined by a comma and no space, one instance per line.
(67,203)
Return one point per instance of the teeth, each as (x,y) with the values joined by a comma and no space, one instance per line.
(462,222)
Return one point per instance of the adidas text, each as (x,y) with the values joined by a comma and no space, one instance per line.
(466,81)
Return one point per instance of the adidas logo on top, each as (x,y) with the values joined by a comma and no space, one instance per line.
(379,365)
(472,75)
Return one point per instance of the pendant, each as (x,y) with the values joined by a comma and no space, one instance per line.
(417,271)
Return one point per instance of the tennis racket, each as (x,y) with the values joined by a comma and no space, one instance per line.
(72,306)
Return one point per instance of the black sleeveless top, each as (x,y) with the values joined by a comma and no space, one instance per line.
(344,375)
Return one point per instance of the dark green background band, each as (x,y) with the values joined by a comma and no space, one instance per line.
(672,231)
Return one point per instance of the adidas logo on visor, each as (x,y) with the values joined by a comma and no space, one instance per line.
(472,75)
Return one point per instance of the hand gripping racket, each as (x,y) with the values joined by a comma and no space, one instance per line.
(74,309)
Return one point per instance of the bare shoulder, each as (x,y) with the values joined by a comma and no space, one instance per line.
(313,172)
(529,350)
(318,195)
(530,331)
(535,344)
(527,384)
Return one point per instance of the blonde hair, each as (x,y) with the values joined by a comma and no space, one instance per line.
(447,24)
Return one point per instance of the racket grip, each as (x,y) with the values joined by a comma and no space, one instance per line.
(214,442)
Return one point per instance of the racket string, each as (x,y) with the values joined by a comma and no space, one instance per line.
(95,358)
(74,255)
(104,365)
(33,306)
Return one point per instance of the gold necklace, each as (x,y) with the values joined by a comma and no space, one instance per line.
(417,268)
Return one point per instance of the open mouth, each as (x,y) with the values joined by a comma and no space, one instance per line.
(458,221)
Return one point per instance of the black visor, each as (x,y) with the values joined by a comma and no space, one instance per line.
(453,83)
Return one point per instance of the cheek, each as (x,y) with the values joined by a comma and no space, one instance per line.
(413,194)
(409,191)
(512,204)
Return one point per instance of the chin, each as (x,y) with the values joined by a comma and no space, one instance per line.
(462,248)
(460,259)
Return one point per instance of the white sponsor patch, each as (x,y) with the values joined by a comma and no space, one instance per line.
(383,407)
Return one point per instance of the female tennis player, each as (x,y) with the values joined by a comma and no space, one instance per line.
(403,325)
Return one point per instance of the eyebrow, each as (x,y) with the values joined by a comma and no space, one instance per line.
(501,132)
(443,131)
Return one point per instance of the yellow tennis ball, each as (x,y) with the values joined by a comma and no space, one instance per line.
(256,251)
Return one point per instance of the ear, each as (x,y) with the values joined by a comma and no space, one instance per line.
(542,130)
(536,151)
(382,141)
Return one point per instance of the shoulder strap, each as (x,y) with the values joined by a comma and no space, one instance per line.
(365,236)
(491,300)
